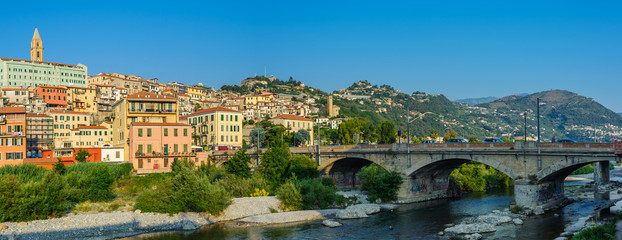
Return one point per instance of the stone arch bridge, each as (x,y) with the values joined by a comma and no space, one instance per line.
(538,174)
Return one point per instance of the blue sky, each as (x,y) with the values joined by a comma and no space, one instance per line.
(457,48)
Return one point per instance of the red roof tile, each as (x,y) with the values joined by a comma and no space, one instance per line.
(158,124)
(36,115)
(214,109)
(13,110)
(292,117)
(148,95)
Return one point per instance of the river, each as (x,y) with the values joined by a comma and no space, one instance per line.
(410,221)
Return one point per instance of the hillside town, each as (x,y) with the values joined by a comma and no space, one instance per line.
(51,111)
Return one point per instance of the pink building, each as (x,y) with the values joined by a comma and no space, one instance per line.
(154,146)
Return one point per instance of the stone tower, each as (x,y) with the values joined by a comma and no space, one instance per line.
(329,109)
(36,47)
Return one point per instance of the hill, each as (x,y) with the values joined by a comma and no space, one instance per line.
(475,101)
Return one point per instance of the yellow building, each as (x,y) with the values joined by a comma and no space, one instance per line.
(81,99)
(196,93)
(294,123)
(64,121)
(140,107)
(216,127)
(91,136)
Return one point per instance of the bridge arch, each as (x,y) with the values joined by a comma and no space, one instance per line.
(449,164)
(344,170)
(561,171)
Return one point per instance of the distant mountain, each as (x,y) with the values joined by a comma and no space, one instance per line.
(563,114)
(475,101)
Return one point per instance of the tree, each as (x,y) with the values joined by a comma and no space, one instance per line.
(197,106)
(347,130)
(301,137)
(333,135)
(474,140)
(369,132)
(449,134)
(274,164)
(303,167)
(386,130)
(257,135)
(82,155)
(239,163)
(59,167)
(434,134)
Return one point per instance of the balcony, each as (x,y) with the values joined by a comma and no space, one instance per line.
(161,155)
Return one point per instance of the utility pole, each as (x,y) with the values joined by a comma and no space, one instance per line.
(525,114)
(538,113)
(317,157)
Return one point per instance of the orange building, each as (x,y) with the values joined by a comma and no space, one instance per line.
(53,96)
(12,135)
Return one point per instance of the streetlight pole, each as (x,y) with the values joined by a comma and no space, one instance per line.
(538,113)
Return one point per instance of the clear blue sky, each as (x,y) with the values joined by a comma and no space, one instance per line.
(457,48)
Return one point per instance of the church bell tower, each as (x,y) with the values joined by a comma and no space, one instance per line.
(36,47)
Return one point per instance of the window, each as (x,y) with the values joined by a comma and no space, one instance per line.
(175,149)
(148,132)
(222,117)
(149,148)
(140,148)
(185,148)
(175,132)
(185,132)
(118,154)
(212,117)
(165,132)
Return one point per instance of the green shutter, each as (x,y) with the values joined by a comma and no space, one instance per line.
(140,148)
(165,132)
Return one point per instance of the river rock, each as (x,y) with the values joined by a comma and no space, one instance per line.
(3,227)
(494,219)
(561,238)
(284,217)
(389,206)
(538,211)
(471,228)
(517,221)
(350,214)
(22,224)
(367,208)
(496,211)
(331,223)
(441,233)
(474,236)
(248,206)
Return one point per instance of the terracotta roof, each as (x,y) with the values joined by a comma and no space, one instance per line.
(292,117)
(13,88)
(24,60)
(13,110)
(36,115)
(214,109)
(89,127)
(108,122)
(67,112)
(52,87)
(183,117)
(148,95)
(158,124)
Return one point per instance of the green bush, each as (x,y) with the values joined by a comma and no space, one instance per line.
(25,172)
(477,177)
(242,187)
(316,195)
(187,191)
(99,184)
(583,170)
(93,181)
(380,183)
(598,232)
(303,167)
(290,197)
(31,200)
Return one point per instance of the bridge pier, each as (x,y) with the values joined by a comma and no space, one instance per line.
(545,194)
(601,173)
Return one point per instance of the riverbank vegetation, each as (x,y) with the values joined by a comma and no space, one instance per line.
(29,192)
(587,169)
(477,177)
(604,231)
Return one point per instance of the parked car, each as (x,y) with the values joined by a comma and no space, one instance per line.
(429,141)
(457,140)
(335,144)
(566,141)
(492,140)
(363,143)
